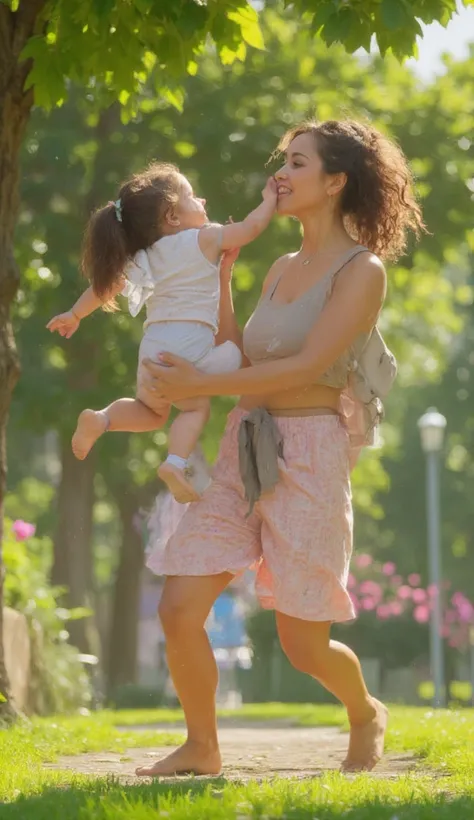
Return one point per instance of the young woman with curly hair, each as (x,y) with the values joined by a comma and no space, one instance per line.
(351,190)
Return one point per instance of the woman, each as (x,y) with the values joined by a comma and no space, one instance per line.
(350,188)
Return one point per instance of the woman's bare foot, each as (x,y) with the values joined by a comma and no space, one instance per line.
(91,424)
(367,741)
(177,483)
(190,758)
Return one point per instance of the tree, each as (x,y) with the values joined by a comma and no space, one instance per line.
(113,49)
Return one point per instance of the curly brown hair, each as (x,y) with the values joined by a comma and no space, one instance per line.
(378,203)
(114,235)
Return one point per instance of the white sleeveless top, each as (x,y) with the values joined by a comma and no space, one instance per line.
(174,280)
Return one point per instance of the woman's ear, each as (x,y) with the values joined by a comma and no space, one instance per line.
(336,183)
(171,218)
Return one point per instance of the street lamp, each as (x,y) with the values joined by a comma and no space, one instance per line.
(432,426)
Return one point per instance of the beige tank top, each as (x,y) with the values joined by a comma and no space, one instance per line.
(275,331)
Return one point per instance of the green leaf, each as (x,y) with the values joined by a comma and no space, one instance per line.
(247,19)
(394,14)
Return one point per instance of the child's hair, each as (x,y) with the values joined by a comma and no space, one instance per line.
(378,203)
(117,231)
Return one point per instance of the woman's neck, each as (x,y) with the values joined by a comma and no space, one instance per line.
(323,233)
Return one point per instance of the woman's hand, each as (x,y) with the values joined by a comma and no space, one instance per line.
(172,378)
(228,259)
(227,263)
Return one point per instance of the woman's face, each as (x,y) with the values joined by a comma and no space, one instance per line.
(302,183)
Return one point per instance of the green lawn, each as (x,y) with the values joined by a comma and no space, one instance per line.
(442,788)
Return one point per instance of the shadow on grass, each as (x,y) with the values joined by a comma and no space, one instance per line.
(199,800)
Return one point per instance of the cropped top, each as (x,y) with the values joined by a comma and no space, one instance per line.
(174,280)
(275,330)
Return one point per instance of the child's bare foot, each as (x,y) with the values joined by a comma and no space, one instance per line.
(191,758)
(177,483)
(91,424)
(367,741)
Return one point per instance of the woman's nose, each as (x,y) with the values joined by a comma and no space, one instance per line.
(281,173)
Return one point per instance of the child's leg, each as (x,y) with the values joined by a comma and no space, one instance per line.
(183,437)
(124,415)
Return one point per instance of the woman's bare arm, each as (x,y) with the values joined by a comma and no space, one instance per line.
(352,309)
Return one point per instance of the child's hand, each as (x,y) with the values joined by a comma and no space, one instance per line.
(65,323)
(270,192)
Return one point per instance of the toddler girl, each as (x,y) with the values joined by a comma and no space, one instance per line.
(156,246)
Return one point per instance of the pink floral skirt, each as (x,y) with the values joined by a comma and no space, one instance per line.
(299,536)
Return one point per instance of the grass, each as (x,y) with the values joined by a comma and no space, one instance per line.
(442,788)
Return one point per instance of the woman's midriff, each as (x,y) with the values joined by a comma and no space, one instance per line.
(312,397)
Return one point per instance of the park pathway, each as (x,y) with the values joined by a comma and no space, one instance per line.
(250,751)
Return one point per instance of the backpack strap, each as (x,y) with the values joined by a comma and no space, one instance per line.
(342,262)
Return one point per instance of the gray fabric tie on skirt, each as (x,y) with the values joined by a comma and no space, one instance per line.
(260,447)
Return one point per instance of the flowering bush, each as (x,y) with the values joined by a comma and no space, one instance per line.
(58,681)
(377,588)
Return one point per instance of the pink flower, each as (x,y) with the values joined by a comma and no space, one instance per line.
(421,614)
(23,530)
(396,608)
(389,568)
(372,589)
(355,601)
(432,590)
(419,595)
(396,581)
(368,603)
(466,613)
(383,612)
(363,561)
(414,579)
(404,592)
(351,581)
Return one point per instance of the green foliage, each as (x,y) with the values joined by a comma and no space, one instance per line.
(58,680)
(114,48)
(395,23)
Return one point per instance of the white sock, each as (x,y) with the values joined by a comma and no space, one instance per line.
(177,461)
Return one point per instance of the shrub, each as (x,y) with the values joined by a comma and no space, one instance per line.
(59,682)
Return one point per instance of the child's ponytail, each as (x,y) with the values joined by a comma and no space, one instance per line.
(104,252)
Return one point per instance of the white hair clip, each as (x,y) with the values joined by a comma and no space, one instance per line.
(118,209)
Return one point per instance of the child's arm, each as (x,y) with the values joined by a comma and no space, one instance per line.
(217,238)
(67,323)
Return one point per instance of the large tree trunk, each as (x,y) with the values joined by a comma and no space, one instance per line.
(15,106)
(123,640)
(73,562)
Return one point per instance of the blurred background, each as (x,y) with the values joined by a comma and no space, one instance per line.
(77,532)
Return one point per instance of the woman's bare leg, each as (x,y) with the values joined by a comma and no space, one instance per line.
(308,647)
(184,607)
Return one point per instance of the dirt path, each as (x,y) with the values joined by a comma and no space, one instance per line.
(249,752)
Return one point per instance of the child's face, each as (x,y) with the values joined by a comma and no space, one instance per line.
(190,209)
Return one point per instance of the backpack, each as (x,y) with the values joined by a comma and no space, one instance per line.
(373,369)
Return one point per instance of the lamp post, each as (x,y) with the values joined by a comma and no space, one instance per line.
(432,426)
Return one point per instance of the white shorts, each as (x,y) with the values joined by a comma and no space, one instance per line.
(193,341)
